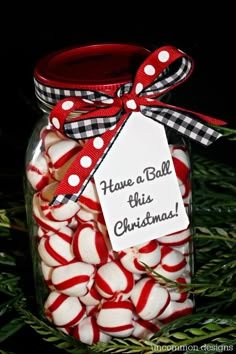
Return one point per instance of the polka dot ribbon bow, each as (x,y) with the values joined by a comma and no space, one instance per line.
(106,115)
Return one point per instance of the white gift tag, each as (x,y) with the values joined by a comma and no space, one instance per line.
(137,186)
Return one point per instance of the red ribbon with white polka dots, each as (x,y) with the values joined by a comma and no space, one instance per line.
(103,119)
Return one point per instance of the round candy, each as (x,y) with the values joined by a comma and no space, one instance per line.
(149,298)
(92,298)
(177,238)
(47,274)
(116,318)
(177,294)
(113,281)
(60,212)
(173,263)
(89,198)
(181,161)
(61,154)
(74,279)
(37,172)
(88,332)
(50,136)
(145,329)
(133,258)
(63,310)
(42,220)
(56,250)
(176,310)
(90,246)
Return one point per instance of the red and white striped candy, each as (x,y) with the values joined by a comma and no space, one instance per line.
(116,318)
(173,263)
(102,227)
(88,332)
(61,154)
(181,161)
(74,279)
(59,212)
(92,298)
(50,136)
(63,310)
(47,274)
(113,281)
(73,224)
(89,198)
(145,329)
(148,253)
(149,298)
(42,220)
(92,310)
(176,310)
(90,246)
(56,250)
(177,238)
(37,172)
(176,294)
(65,232)
(85,215)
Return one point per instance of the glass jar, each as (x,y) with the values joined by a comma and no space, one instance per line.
(80,281)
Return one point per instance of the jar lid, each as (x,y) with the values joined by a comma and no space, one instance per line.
(102,67)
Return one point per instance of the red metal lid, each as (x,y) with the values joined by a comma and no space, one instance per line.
(101,67)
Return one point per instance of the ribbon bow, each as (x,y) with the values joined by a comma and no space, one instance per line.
(106,115)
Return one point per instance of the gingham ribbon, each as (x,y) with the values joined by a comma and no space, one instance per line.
(106,115)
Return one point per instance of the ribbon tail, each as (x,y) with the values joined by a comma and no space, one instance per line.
(184,122)
(85,164)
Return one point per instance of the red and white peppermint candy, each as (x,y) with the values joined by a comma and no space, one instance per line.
(65,232)
(50,136)
(176,310)
(133,258)
(90,246)
(149,298)
(113,281)
(92,298)
(88,332)
(144,329)
(181,161)
(116,318)
(74,279)
(177,294)
(89,198)
(37,172)
(47,274)
(42,220)
(173,263)
(63,310)
(61,155)
(102,224)
(177,238)
(56,250)
(85,215)
(92,310)
(59,212)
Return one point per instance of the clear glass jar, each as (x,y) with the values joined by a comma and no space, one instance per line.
(73,289)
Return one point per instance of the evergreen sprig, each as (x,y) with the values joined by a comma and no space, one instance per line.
(201,331)
(50,334)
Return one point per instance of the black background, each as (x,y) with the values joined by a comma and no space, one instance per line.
(27,34)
